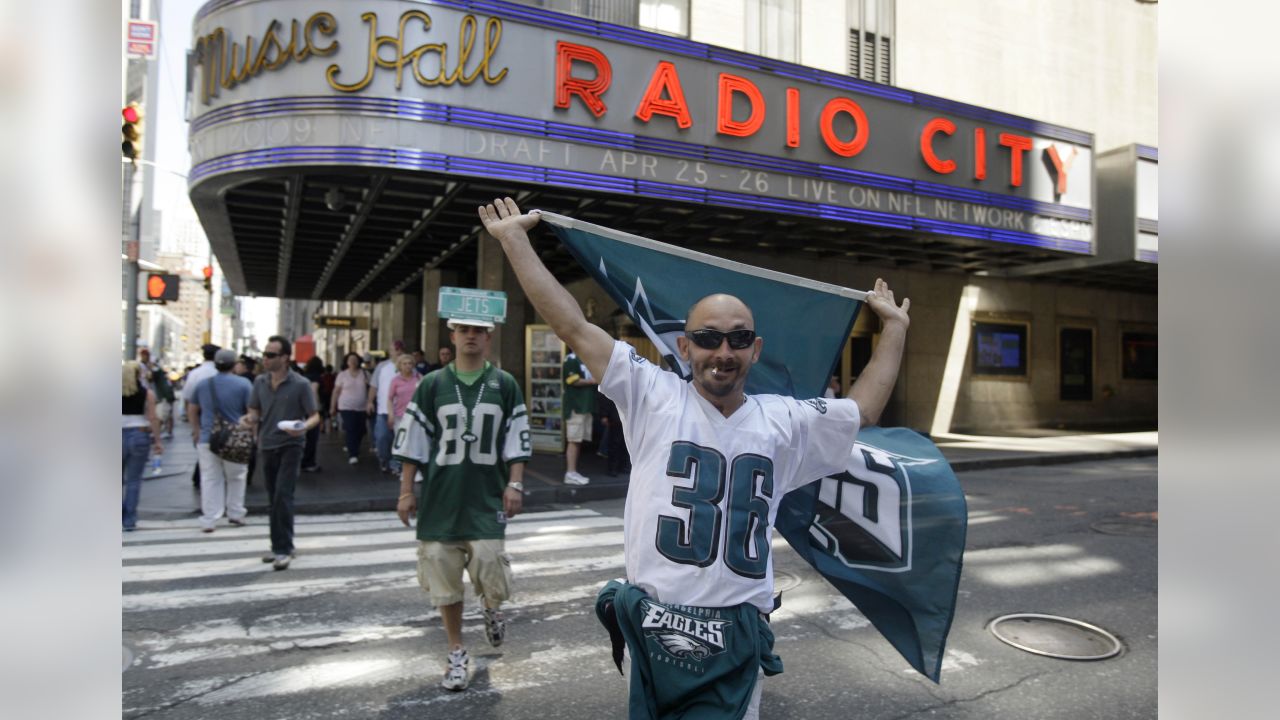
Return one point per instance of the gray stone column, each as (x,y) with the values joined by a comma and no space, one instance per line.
(494,273)
(434,333)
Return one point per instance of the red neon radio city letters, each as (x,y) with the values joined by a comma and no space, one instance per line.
(664,95)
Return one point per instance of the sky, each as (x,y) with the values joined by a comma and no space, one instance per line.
(167,119)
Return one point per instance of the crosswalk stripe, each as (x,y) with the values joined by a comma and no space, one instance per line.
(338,538)
(152,531)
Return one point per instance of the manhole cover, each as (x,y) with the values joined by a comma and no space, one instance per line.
(128,658)
(783,581)
(1126,526)
(1055,637)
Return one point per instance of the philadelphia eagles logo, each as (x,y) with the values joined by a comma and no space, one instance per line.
(683,647)
(818,404)
(683,636)
(862,516)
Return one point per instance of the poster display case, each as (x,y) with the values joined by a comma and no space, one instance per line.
(543,361)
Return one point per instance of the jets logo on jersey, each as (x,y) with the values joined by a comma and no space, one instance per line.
(684,636)
(818,404)
(863,515)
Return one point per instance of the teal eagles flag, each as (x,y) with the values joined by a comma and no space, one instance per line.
(889,532)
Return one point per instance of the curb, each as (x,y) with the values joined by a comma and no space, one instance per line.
(994,463)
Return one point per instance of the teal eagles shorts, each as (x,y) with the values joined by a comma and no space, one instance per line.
(696,663)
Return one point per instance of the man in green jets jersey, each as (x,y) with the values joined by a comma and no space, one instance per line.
(468,432)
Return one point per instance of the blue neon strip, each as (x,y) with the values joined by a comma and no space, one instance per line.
(1146,152)
(447,114)
(702,51)
(435,162)
(1151,256)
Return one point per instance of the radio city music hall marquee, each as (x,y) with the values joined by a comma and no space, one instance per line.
(501,90)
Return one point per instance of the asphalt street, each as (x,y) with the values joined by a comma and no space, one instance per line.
(210,631)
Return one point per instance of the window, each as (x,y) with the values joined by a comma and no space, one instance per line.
(1139,356)
(1000,349)
(773,29)
(665,16)
(670,17)
(871,33)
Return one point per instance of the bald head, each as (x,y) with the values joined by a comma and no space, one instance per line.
(720,312)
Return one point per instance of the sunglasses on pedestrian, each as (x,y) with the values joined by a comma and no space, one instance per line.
(270,355)
(710,339)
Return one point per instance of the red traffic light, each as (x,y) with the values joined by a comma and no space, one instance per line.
(162,286)
(208,271)
(131,114)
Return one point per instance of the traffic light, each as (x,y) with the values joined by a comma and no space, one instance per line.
(131,132)
(162,287)
(208,278)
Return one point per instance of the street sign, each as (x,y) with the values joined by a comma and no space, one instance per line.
(141,37)
(470,304)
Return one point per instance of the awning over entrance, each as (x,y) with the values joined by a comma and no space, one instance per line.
(349,234)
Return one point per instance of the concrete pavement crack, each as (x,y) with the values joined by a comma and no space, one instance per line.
(975,698)
(185,700)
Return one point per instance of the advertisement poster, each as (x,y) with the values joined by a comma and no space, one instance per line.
(544,357)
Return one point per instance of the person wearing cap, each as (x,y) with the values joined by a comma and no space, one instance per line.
(222,485)
(467,431)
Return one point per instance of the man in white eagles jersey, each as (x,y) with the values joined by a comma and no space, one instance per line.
(710,464)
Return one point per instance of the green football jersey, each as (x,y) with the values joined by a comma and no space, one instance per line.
(463,438)
(577,398)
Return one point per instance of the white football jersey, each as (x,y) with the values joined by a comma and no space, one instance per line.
(705,488)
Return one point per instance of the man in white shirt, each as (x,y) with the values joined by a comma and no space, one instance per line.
(380,403)
(197,375)
(710,463)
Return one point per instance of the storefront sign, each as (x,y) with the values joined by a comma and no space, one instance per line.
(636,105)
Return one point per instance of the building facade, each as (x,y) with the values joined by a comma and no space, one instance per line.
(960,150)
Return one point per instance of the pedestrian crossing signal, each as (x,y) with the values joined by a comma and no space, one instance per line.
(131,132)
(162,287)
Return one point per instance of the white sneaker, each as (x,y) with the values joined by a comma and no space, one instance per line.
(495,626)
(574,478)
(458,675)
(353,460)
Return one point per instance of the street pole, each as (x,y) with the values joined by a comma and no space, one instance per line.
(130,234)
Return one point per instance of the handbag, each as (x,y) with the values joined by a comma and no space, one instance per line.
(230,441)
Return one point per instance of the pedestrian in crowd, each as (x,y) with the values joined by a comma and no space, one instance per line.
(402,387)
(737,454)
(158,381)
(139,437)
(225,395)
(614,443)
(282,407)
(445,356)
(467,431)
(245,368)
(577,407)
(350,393)
(201,372)
(313,371)
(420,364)
(327,414)
(379,405)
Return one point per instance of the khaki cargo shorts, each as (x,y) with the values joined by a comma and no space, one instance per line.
(578,427)
(440,566)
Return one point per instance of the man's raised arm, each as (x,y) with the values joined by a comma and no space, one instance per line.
(872,388)
(503,220)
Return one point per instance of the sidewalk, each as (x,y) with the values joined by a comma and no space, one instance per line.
(340,487)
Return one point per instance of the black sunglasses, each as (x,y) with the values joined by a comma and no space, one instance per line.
(711,339)
(271,355)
